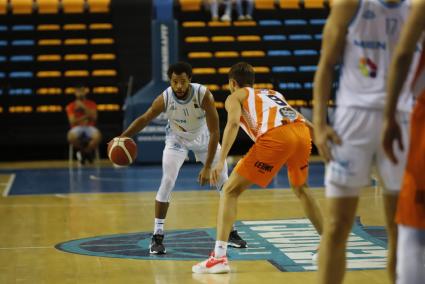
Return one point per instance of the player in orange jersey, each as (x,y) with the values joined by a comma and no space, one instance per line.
(281,136)
(411,204)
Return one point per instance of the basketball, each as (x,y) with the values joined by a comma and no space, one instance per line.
(122,151)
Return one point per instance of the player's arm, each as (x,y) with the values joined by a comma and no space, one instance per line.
(399,68)
(213,126)
(234,109)
(154,110)
(334,34)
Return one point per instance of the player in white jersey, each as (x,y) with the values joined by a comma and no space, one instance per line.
(193,125)
(411,205)
(362,35)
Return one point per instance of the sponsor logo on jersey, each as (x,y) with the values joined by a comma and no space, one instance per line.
(370,44)
(287,244)
(367,67)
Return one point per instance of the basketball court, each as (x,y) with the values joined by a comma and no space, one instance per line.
(93,225)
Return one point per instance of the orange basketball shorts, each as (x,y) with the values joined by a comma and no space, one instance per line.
(288,144)
(411,204)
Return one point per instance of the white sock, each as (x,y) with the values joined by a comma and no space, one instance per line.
(220,249)
(159,226)
(233,227)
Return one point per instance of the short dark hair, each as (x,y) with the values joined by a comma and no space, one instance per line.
(180,68)
(243,73)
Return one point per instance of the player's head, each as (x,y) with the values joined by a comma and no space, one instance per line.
(80,91)
(241,75)
(180,75)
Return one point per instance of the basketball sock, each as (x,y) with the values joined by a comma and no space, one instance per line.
(159,226)
(233,227)
(220,249)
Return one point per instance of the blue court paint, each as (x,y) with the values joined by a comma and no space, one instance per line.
(130,179)
(287,244)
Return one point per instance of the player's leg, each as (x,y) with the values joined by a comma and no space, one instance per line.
(235,240)
(340,209)
(298,173)
(173,158)
(391,176)
(262,162)
(232,189)
(345,175)
(410,255)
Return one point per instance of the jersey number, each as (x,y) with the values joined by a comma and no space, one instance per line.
(391,25)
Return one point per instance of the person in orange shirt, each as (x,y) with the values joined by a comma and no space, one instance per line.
(281,136)
(82,117)
(410,214)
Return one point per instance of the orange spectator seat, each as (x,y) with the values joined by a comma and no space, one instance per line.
(313,4)
(73,6)
(3,7)
(48,6)
(21,6)
(264,4)
(190,5)
(289,4)
(99,6)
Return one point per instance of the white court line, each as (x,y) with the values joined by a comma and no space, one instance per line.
(9,185)
(27,248)
(101,178)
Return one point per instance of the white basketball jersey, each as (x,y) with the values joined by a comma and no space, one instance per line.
(186,118)
(370,42)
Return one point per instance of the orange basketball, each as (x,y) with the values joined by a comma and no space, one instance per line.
(122,151)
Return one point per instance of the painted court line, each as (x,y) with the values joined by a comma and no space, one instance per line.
(10,248)
(9,185)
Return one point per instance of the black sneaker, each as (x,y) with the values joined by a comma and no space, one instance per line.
(236,241)
(156,246)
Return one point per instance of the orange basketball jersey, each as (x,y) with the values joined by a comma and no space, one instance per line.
(265,109)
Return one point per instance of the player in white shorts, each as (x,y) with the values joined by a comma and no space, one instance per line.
(362,35)
(193,125)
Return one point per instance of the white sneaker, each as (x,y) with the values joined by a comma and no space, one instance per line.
(212,265)
(241,18)
(248,17)
(226,18)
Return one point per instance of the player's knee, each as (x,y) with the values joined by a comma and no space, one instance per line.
(163,194)
(299,191)
(167,185)
(232,190)
(337,229)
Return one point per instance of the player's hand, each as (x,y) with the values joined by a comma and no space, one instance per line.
(204,175)
(216,173)
(323,135)
(391,132)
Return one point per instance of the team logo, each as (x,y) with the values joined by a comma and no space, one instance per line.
(287,244)
(367,67)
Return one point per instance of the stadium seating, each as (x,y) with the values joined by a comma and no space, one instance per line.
(282,43)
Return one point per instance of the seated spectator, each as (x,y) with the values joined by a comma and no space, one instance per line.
(82,117)
(227,16)
(249,9)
